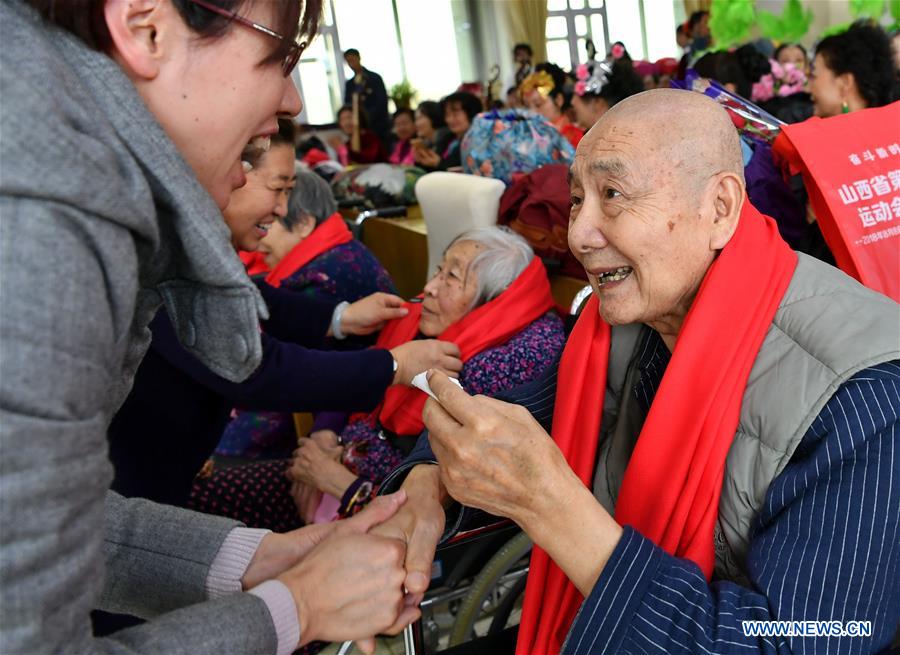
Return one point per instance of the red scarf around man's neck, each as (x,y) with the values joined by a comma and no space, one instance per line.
(329,233)
(493,323)
(670,491)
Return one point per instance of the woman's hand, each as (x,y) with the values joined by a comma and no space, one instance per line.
(306,499)
(325,438)
(312,461)
(320,467)
(371,313)
(278,552)
(414,357)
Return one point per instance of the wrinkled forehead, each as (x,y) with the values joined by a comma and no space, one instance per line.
(620,149)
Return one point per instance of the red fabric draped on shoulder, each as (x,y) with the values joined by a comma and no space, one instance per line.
(329,233)
(493,323)
(254,262)
(670,492)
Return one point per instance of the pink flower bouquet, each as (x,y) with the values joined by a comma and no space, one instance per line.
(783,81)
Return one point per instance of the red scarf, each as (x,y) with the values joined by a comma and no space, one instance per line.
(329,233)
(670,491)
(495,322)
(254,262)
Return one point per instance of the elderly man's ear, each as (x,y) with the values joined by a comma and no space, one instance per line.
(137,29)
(728,198)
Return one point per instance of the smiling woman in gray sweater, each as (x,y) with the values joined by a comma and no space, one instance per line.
(111,202)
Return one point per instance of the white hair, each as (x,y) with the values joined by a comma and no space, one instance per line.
(504,256)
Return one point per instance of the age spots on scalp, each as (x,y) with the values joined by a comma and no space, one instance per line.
(671,225)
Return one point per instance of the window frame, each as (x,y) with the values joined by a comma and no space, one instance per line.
(572,37)
(326,30)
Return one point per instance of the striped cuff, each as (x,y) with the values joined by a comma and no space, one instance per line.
(280,601)
(232,560)
(607,614)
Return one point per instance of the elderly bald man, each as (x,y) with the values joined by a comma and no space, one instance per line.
(725,430)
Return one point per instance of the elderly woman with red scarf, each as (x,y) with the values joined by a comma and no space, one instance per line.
(490,296)
(311,251)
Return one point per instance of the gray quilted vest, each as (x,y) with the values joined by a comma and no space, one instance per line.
(827,328)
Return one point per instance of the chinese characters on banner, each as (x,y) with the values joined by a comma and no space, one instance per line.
(851,169)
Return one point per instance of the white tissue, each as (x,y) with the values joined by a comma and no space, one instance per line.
(421,382)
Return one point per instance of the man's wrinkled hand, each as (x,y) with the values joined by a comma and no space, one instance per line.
(419,524)
(492,455)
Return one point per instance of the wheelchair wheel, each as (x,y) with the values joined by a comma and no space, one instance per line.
(493,588)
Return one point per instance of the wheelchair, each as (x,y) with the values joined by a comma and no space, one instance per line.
(478,579)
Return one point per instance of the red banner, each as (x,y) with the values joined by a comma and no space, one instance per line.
(851,167)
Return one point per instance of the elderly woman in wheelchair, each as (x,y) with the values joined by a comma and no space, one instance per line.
(490,295)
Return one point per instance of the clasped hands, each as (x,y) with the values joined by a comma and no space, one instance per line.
(482,466)
(493,456)
(346,581)
(316,467)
